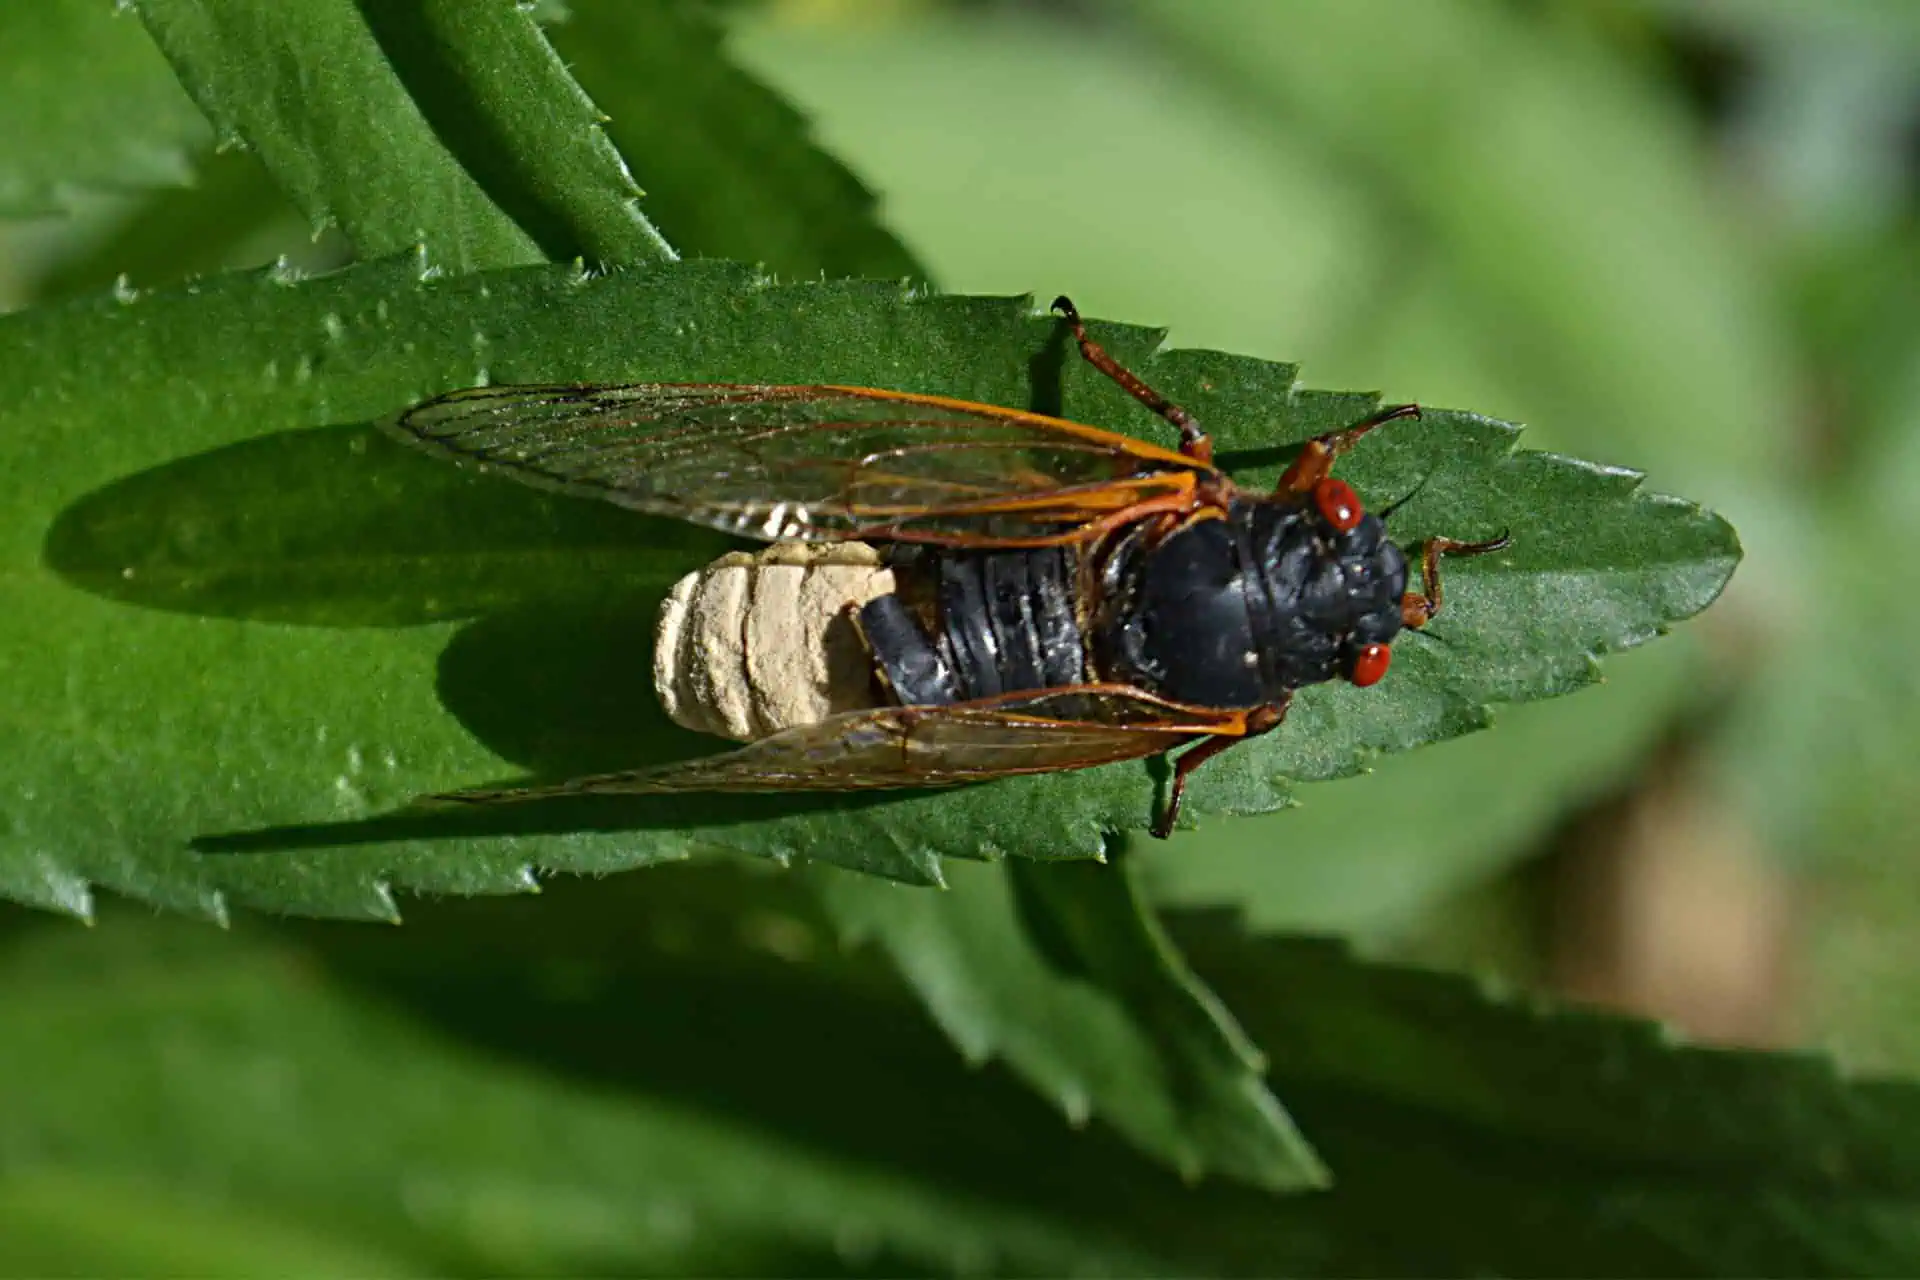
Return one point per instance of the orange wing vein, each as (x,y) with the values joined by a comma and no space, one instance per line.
(816,462)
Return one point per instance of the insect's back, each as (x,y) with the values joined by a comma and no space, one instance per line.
(1240,611)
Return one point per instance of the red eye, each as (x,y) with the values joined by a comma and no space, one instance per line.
(1371,665)
(1339,504)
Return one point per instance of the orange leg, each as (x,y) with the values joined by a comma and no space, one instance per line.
(1418,607)
(1259,721)
(1316,459)
(1193,441)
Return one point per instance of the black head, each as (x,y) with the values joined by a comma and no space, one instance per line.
(1333,593)
(1373,571)
(1369,560)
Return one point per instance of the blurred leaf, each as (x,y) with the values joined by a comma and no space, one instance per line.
(1000,195)
(497,96)
(88,105)
(1571,205)
(225,503)
(729,170)
(240,1070)
(1891,24)
(1861,327)
(1063,971)
(1502,1138)
(180,232)
(1820,755)
(310,90)
(62,1224)
(608,1081)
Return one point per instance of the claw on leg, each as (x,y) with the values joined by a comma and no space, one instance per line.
(1317,458)
(1418,607)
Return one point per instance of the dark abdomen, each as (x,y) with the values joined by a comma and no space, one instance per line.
(991,622)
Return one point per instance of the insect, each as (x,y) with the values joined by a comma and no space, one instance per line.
(1016,593)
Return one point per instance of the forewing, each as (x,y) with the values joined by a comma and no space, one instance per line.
(816,462)
(916,747)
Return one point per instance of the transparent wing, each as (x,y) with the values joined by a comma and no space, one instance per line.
(919,747)
(805,462)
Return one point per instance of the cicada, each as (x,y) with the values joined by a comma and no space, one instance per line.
(976,591)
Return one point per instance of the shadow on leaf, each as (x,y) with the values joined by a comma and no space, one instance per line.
(341,527)
(562,690)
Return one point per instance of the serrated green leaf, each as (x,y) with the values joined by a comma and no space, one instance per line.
(347,144)
(89,105)
(1062,970)
(727,165)
(1502,1137)
(738,178)
(499,99)
(223,479)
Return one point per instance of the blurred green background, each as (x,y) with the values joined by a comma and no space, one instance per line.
(1678,237)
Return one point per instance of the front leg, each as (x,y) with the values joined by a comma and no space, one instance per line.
(1317,457)
(1260,720)
(1418,607)
(1193,441)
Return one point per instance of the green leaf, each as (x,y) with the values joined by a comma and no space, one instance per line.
(1500,1137)
(180,232)
(58,1223)
(1573,209)
(88,106)
(787,203)
(727,165)
(167,525)
(309,89)
(500,100)
(1819,755)
(1063,971)
(641,1074)
(240,1069)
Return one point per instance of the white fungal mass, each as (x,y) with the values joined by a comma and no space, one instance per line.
(756,643)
